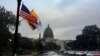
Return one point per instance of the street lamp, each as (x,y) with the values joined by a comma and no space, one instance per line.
(15,43)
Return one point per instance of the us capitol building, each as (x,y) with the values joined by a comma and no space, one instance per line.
(48,35)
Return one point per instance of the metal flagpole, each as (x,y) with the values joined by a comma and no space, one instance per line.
(15,43)
(39,35)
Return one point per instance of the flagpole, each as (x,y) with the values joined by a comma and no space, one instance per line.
(39,35)
(15,43)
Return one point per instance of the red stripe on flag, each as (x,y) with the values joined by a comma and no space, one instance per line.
(27,16)
(30,19)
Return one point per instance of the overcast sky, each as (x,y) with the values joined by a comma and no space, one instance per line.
(67,18)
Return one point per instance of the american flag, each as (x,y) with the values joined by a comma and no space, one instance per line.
(25,13)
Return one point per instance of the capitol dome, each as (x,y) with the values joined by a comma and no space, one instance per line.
(48,33)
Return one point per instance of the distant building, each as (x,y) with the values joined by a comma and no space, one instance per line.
(49,36)
(48,33)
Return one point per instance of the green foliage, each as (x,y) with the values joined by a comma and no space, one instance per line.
(88,40)
(52,46)
(25,43)
(7,19)
(7,23)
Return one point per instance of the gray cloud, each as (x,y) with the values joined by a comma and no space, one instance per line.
(68,21)
(67,18)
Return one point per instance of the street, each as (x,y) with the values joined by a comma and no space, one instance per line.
(72,53)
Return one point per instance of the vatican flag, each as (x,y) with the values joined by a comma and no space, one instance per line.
(38,25)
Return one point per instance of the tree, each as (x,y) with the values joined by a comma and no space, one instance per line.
(88,40)
(90,33)
(26,43)
(7,23)
(52,46)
